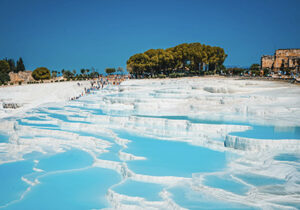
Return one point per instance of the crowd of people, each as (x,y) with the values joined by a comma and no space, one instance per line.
(100,83)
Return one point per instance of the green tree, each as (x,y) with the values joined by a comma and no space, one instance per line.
(4,66)
(20,65)
(138,64)
(41,73)
(110,70)
(236,71)
(267,72)
(94,73)
(255,67)
(12,65)
(188,58)
(68,74)
(4,70)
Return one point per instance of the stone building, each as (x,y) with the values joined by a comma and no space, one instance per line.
(283,59)
(22,76)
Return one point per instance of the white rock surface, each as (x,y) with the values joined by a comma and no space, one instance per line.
(33,95)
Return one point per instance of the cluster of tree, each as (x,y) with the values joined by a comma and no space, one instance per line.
(7,66)
(254,70)
(192,59)
(110,71)
(84,74)
(42,73)
(13,67)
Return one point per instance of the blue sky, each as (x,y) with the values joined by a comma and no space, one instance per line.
(105,33)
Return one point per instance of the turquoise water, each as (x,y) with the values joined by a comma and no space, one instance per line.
(54,108)
(257,131)
(84,189)
(259,180)
(92,110)
(71,159)
(148,191)
(40,118)
(11,185)
(113,150)
(270,132)
(61,117)
(169,158)
(112,154)
(288,157)
(196,120)
(226,183)
(3,137)
(296,205)
(190,199)
(37,125)
(46,125)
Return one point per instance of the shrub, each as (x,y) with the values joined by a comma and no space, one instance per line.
(267,72)
(161,76)
(173,75)
(255,73)
(41,73)
(110,70)
(11,83)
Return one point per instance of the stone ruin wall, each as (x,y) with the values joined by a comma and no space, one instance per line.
(267,61)
(22,76)
(287,52)
(282,57)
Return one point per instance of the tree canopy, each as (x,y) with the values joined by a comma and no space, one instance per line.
(12,65)
(110,70)
(255,67)
(20,65)
(68,74)
(193,58)
(4,70)
(41,73)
